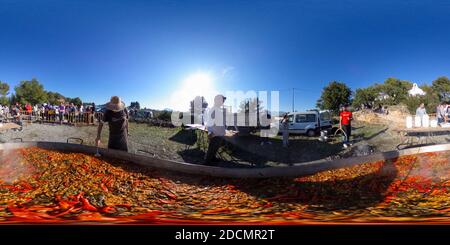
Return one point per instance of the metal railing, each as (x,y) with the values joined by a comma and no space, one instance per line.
(70,118)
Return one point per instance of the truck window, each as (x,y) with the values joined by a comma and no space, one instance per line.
(305,118)
(325,116)
(291,118)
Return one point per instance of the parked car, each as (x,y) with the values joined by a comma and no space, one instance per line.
(310,122)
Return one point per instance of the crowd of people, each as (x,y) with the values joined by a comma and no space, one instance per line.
(64,112)
(442,112)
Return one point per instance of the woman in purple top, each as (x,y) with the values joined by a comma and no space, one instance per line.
(62,109)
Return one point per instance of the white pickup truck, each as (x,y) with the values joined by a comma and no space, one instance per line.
(310,122)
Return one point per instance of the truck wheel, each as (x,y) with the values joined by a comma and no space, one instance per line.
(311,133)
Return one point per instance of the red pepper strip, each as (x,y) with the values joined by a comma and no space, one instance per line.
(65,212)
(87,205)
(216,211)
(15,188)
(22,214)
(268,205)
(80,195)
(136,183)
(165,201)
(123,205)
(107,209)
(66,204)
(107,181)
(148,217)
(105,189)
(171,195)
(26,185)
(110,183)
(445,210)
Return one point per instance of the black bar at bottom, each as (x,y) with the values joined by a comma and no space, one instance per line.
(118,234)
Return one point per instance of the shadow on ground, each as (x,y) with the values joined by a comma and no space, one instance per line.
(353,193)
(255,151)
(187,137)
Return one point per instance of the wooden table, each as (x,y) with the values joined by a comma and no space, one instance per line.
(424,136)
(228,133)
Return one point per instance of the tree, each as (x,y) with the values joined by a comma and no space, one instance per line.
(4,91)
(430,99)
(442,86)
(164,115)
(135,105)
(250,104)
(396,90)
(334,95)
(30,92)
(76,101)
(365,97)
(55,98)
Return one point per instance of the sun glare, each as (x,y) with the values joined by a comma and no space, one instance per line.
(198,80)
(195,84)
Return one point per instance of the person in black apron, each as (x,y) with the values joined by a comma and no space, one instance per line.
(116,115)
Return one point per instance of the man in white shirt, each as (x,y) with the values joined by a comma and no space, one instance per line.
(215,124)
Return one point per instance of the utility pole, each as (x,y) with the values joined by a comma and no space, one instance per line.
(257,111)
(293,98)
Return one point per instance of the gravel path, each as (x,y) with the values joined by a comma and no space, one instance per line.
(47,132)
(153,141)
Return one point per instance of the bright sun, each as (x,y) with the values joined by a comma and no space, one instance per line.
(198,83)
(195,84)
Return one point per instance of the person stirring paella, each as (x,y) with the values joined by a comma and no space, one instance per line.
(116,115)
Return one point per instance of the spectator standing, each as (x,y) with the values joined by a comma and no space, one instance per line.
(116,115)
(62,110)
(35,110)
(81,111)
(6,111)
(441,111)
(421,111)
(345,119)
(285,130)
(16,113)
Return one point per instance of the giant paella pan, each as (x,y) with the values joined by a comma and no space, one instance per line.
(49,182)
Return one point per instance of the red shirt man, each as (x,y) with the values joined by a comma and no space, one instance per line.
(346,117)
(28,108)
(345,120)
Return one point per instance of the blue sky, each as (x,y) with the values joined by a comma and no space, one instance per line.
(144,50)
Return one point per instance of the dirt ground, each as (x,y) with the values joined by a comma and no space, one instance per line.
(190,146)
